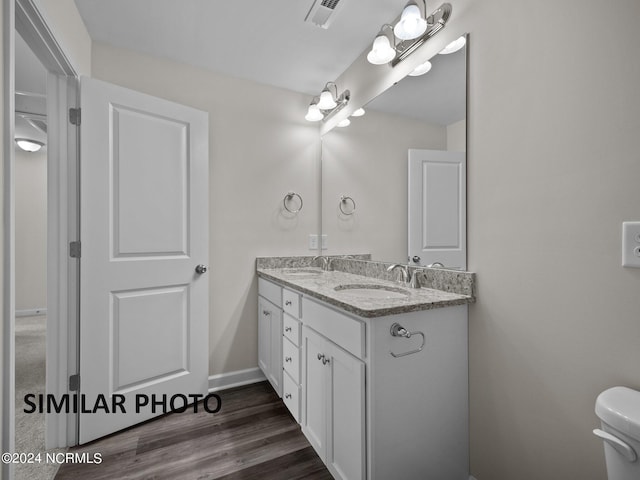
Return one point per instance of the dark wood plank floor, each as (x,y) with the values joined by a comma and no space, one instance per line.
(253,436)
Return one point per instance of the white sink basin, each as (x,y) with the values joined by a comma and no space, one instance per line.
(372,291)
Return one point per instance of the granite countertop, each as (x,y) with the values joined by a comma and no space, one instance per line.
(391,298)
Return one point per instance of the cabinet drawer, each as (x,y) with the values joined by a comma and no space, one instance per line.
(291,303)
(291,329)
(291,360)
(341,329)
(270,291)
(291,396)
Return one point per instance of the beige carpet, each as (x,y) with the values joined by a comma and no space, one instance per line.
(30,378)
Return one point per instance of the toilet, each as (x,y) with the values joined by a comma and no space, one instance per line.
(619,411)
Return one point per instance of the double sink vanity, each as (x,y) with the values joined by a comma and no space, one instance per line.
(374,370)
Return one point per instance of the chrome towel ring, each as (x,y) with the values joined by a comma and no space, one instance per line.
(343,202)
(398,330)
(287,198)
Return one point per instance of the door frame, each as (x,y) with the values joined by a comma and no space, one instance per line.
(62,219)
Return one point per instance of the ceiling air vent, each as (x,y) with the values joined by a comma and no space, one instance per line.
(323,12)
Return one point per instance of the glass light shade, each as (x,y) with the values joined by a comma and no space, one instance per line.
(344,123)
(382,52)
(314,114)
(327,102)
(421,69)
(411,24)
(454,46)
(29,145)
(358,113)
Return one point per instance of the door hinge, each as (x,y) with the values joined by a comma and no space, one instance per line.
(74,116)
(75,249)
(74,383)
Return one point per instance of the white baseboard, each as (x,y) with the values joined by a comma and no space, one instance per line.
(31,312)
(223,381)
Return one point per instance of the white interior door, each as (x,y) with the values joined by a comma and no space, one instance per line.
(438,208)
(144,229)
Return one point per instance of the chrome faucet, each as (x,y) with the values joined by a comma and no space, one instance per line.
(415,278)
(404,271)
(325,262)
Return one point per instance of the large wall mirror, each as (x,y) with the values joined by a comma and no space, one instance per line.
(365,169)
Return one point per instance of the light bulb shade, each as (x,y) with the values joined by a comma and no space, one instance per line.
(382,52)
(454,46)
(411,24)
(344,123)
(29,145)
(421,69)
(313,114)
(327,102)
(358,113)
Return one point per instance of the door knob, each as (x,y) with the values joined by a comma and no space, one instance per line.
(200,269)
(416,259)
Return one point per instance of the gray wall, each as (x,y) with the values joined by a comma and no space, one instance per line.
(31,230)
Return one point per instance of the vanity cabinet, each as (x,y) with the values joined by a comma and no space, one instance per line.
(270,332)
(374,406)
(334,405)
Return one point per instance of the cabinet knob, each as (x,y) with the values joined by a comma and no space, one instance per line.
(287,359)
(266,312)
(288,395)
(287,329)
(325,361)
(321,356)
(288,302)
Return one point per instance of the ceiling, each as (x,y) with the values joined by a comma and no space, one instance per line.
(269,42)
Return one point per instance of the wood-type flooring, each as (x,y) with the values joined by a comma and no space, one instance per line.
(253,436)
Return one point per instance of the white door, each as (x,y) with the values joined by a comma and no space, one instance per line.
(437,208)
(144,229)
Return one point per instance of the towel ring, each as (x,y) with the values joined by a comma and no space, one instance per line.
(343,200)
(288,197)
(398,330)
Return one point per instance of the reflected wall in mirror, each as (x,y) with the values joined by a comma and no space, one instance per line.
(368,160)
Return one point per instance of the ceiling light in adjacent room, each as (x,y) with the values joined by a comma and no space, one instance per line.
(358,113)
(412,23)
(454,46)
(421,69)
(29,145)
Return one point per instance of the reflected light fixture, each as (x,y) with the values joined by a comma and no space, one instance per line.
(421,69)
(344,123)
(327,98)
(29,145)
(454,46)
(413,22)
(358,113)
(382,50)
(313,113)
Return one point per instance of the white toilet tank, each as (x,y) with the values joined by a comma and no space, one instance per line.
(619,410)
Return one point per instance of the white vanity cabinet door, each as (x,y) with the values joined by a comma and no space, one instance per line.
(270,343)
(334,406)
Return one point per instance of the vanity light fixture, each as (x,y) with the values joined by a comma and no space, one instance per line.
(327,98)
(313,113)
(421,69)
(358,113)
(454,46)
(412,30)
(327,104)
(413,21)
(383,48)
(344,123)
(29,145)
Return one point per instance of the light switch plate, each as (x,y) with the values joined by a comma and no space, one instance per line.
(631,244)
